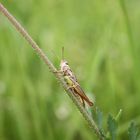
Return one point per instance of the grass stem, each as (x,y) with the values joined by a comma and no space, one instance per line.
(52,68)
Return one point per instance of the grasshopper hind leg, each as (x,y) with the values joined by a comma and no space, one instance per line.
(83,102)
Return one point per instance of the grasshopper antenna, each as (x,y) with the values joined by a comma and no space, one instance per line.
(62,53)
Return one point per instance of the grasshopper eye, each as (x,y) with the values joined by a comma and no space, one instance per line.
(66,63)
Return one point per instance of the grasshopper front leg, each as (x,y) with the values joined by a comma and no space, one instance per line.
(60,72)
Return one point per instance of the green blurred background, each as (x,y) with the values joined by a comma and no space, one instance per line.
(102,45)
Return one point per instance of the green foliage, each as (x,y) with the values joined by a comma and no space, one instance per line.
(133,132)
(99,118)
(112,127)
(118,116)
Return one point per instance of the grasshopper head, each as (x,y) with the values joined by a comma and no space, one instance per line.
(64,65)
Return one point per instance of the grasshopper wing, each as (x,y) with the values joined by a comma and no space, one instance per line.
(78,90)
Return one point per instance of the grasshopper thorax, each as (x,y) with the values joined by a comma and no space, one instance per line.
(67,70)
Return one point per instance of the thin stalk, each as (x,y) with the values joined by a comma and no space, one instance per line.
(52,68)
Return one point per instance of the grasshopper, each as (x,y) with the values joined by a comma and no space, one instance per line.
(72,82)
